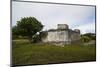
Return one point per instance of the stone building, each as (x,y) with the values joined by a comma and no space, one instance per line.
(62,35)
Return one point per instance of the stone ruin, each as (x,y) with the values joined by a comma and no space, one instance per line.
(61,35)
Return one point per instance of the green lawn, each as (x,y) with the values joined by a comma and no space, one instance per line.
(24,53)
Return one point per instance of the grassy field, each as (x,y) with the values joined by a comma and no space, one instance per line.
(24,53)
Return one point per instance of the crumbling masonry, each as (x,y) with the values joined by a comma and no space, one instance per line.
(61,35)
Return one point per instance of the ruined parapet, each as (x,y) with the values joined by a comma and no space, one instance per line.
(77,30)
(63,26)
(76,36)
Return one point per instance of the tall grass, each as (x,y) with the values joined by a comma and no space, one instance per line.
(24,53)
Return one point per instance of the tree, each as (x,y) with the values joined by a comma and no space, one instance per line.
(29,26)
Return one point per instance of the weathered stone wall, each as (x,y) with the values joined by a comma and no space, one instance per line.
(66,36)
(74,36)
(57,36)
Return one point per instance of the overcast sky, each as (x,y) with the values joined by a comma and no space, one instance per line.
(77,17)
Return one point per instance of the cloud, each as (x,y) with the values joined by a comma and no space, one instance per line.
(52,14)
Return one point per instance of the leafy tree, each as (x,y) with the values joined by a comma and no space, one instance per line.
(28,26)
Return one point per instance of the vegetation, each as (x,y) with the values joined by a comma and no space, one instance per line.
(15,32)
(88,37)
(25,53)
(36,38)
(27,26)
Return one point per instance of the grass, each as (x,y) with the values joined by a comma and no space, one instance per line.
(24,53)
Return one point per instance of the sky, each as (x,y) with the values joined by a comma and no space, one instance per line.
(77,17)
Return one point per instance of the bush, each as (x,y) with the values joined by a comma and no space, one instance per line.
(85,39)
(36,38)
